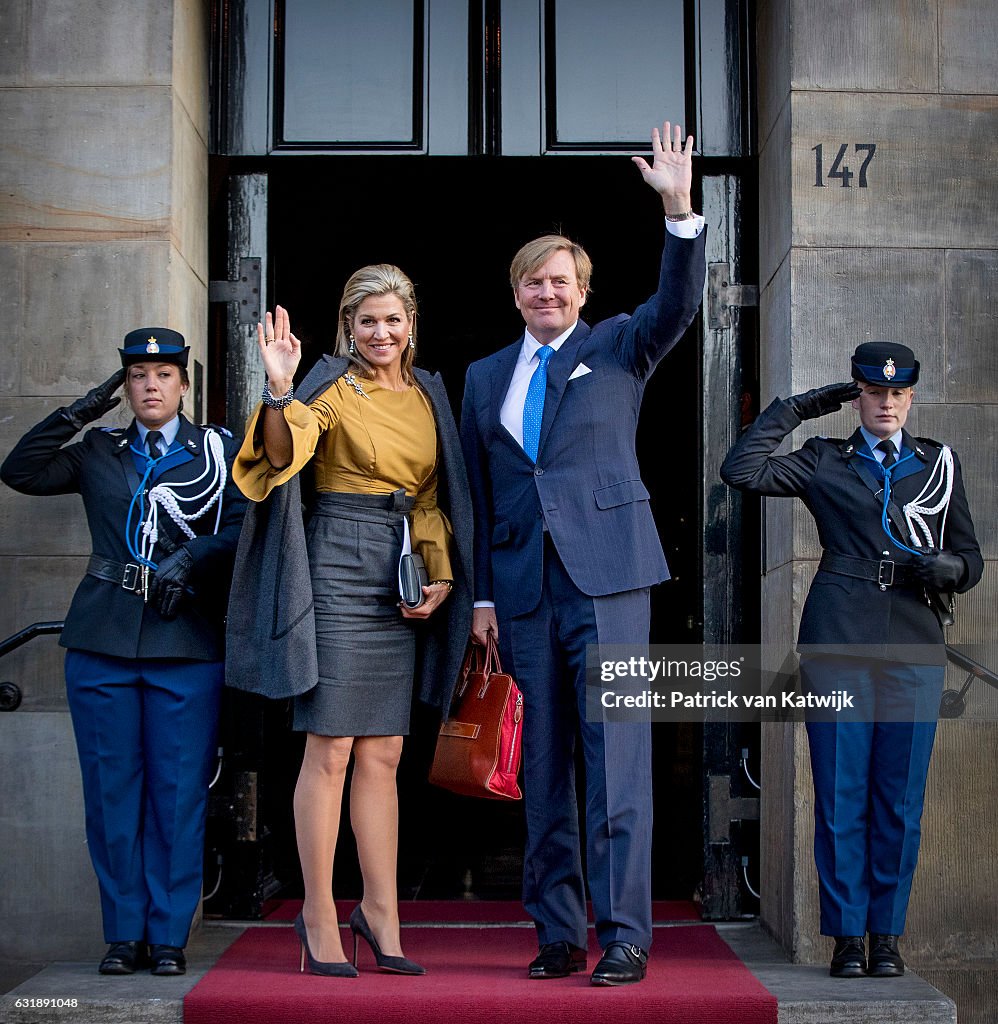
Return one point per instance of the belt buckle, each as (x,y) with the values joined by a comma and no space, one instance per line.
(884,584)
(130,578)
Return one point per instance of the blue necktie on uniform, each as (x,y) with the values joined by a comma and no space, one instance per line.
(533,405)
(890,453)
(152,443)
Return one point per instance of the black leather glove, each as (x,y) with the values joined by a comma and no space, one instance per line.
(820,401)
(95,402)
(941,570)
(167,588)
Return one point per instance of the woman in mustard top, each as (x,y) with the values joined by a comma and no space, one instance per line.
(372,442)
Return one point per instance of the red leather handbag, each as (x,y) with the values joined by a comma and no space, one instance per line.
(478,748)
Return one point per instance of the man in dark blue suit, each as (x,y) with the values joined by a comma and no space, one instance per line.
(565,553)
(897,539)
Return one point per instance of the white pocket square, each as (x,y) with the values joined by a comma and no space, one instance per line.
(580,371)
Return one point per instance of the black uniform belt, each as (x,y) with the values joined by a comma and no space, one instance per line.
(127,575)
(883,571)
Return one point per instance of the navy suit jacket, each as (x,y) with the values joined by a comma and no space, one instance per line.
(586,485)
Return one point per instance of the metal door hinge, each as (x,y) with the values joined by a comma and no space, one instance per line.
(722,294)
(244,291)
(725,808)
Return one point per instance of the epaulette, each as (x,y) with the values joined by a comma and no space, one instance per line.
(829,440)
(215,426)
(932,441)
(112,430)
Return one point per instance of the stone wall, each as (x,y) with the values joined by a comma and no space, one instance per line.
(103,228)
(907,253)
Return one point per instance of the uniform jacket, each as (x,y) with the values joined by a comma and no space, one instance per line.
(103,617)
(271,629)
(586,485)
(826,475)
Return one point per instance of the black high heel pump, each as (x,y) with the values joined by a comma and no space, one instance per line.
(330,970)
(391,964)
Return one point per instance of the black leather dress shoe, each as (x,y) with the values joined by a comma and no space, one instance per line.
(849,957)
(621,964)
(124,958)
(557,960)
(885,960)
(167,960)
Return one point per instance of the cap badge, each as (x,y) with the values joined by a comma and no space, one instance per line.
(152,346)
(889,369)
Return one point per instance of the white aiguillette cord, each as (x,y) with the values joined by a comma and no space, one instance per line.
(940,480)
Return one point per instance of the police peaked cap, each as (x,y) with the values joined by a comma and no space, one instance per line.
(886,364)
(154,345)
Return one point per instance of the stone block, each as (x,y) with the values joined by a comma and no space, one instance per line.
(11,298)
(190,51)
(13,41)
(971,326)
(102,42)
(844,297)
(48,902)
(82,164)
(189,202)
(968,47)
(772,25)
(959,852)
(38,590)
(776,180)
(878,45)
(43,525)
(971,430)
(930,183)
(104,291)
(774,325)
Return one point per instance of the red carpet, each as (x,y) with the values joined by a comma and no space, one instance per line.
(477,976)
(472,911)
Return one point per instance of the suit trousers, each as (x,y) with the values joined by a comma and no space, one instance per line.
(145,731)
(546,649)
(869,787)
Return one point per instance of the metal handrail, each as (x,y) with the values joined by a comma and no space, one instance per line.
(29,633)
(954,702)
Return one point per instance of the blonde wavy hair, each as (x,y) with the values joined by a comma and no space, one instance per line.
(376,280)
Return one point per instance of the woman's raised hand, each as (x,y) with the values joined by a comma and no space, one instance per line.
(280,349)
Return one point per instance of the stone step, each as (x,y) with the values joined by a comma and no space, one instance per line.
(73,993)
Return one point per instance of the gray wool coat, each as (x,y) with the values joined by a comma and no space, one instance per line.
(270,631)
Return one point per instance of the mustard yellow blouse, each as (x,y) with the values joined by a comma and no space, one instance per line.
(361,445)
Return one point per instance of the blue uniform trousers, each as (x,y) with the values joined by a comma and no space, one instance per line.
(869,787)
(546,653)
(145,731)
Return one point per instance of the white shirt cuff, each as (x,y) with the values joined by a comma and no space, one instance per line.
(485,604)
(686,228)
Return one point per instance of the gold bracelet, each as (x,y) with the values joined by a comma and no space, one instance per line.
(449,584)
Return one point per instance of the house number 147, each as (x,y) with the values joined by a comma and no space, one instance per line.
(839,169)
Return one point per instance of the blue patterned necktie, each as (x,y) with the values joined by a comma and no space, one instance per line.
(533,406)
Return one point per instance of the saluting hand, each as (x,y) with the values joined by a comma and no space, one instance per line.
(280,349)
(96,402)
(820,401)
(671,170)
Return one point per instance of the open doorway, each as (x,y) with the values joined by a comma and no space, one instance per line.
(453,224)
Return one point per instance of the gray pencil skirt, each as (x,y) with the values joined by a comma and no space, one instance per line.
(367,651)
